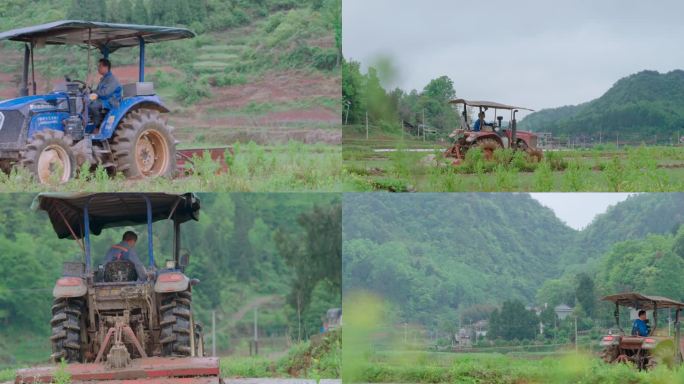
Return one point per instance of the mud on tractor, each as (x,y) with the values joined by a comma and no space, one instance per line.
(491,137)
(644,352)
(52,135)
(109,323)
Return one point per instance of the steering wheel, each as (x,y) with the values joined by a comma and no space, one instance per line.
(83,86)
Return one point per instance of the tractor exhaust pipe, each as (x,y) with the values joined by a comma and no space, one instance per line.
(24,76)
(514,129)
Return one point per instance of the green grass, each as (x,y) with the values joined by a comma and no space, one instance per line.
(425,367)
(319,359)
(632,169)
(252,168)
(7,374)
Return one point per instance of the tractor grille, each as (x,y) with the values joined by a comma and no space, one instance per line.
(10,126)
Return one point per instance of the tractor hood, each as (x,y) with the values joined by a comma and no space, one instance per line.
(20,102)
(111,36)
(111,210)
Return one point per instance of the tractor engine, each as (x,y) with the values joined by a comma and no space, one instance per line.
(73,125)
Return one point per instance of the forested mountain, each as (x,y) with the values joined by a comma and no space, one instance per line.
(634,218)
(244,247)
(642,105)
(436,255)
(435,252)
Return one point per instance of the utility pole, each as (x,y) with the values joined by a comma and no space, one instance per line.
(213,333)
(366,124)
(256,332)
(405,332)
(423,124)
(576,348)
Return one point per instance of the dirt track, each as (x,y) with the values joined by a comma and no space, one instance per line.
(264,381)
(280,381)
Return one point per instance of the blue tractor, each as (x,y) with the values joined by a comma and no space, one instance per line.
(52,135)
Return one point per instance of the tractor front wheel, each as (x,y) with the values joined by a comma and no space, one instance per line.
(67,323)
(488,146)
(49,157)
(176,324)
(143,145)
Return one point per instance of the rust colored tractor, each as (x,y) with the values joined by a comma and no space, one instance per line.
(644,352)
(490,136)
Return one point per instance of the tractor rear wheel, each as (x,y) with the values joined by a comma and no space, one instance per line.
(143,145)
(67,324)
(176,324)
(610,353)
(488,146)
(49,157)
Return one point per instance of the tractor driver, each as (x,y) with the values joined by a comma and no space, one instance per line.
(125,250)
(640,326)
(107,95)
(480,122)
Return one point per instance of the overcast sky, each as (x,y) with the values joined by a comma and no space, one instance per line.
(579,209)
(537,54)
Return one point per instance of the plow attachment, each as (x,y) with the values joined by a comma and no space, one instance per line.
(185,158)
(152,370)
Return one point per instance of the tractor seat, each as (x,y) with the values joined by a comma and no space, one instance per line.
(119,271)
(631,342)
(138,89)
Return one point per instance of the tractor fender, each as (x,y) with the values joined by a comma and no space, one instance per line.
(69,287)
(111,121)
(171,281)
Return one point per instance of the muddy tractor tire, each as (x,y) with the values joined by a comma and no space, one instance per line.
(663,354)
(488,146)
(67,325)
(49,157)
(535,155)
(143,146)
(176,324)
(609,354)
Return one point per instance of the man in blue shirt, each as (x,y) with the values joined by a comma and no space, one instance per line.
(640,326)
(480,122)
(107,95)
(125,251)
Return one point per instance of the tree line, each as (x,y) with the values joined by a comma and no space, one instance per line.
(363,96)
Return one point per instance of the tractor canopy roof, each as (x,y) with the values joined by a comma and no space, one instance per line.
(486,104)
(99,35)
(110,210)
(639,301)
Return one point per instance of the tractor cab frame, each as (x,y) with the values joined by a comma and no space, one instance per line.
(645,352)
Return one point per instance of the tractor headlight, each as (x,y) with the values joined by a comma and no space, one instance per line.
(2,119)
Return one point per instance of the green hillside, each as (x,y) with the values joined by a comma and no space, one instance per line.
(435,255)
(248,250)
(643,106)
